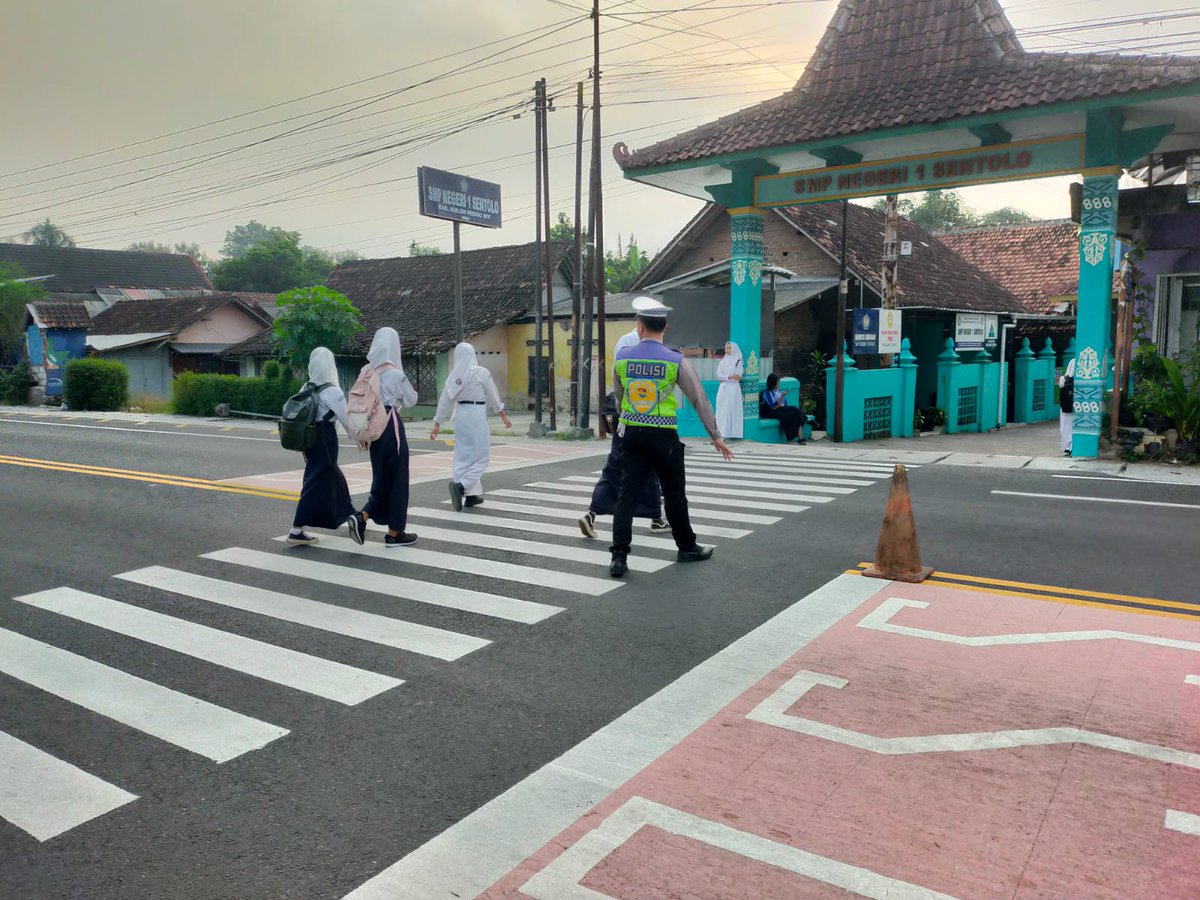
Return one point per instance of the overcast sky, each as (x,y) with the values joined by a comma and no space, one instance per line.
(154,77)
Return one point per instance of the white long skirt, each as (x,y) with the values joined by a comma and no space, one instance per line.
(1066,425)
(472,447)
(729,409)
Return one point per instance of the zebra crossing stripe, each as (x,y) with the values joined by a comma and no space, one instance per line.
(321,677)
(693,488)
(472,565)
(530,548)
(547,512)
(529,526)
(782,487)
(742,518)
(44,796)
(191,723)
(800,481)
(794,462)
(389,632)
(805,474)
(692,501)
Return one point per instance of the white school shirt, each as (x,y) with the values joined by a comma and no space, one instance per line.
(396,390)
(482,391)
(332,400)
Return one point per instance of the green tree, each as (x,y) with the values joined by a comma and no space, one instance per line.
(14,294)
(313,317)
(622,268)
(564,230)
(47,234)
(345,256)
(148,247)
(1006,215)
(941,210)
(240,239)
(415,249)
(275,265)
(185,249)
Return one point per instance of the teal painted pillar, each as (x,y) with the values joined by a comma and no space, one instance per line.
(1023,399)
(1097,237)
(908,390)
(745,301)
(1048,360)
(947,363)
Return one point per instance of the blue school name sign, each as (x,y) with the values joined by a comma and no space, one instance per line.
(445,195)
(980,165)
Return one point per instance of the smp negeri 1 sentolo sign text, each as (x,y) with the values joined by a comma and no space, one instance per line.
(458,198)
(975,331)
(979,165)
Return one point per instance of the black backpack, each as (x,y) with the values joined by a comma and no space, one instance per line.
(298,427)
(1066,395)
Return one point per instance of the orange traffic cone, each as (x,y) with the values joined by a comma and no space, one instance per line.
(898,558)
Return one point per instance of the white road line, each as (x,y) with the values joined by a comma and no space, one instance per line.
(783,481)
(189,434)
(547,512)
(530,548)
(692,501)
(389,632)
(1098,499)
(207,729)
(310,674)
(1187,823)
(742,518)
(1122,479)
(693,489)
(801,462)
(782,488)
(792,474)
(455,562)
(531,527)
(44,796)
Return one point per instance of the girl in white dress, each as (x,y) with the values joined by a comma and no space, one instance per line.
(729,394)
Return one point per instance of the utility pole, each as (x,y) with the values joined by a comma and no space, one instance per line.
(891,258)
(601,294)
(580,351)
(839,392)
(551,389)
(1121,345)
(458,309)
(537,255)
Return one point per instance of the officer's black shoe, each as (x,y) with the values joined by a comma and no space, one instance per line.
(696,554)
(618,567)
(456,496)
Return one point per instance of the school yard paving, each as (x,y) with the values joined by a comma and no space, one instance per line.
(188,708)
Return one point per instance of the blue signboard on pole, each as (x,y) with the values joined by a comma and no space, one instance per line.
(445,195)
(866,331)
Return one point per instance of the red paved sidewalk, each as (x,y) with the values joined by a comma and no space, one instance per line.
(937,741)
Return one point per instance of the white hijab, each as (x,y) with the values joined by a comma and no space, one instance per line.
(729,362)
(466,371)
(385,348)
(627,340)
(322,368)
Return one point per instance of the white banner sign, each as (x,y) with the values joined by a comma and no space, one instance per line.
(889,331)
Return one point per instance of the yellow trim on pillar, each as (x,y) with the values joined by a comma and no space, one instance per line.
(745,211)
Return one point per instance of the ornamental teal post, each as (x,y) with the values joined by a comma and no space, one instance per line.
(1098,228)
(1023,395)
(745,303)
(947,389)
(908,389)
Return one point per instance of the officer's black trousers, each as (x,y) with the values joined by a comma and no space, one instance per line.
(645,450)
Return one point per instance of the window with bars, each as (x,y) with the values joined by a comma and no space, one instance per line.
(968,406)
(423,374)
(1039,395)
(877,417)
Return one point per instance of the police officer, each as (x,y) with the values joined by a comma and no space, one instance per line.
(644,380)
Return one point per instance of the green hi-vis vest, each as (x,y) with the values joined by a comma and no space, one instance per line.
(649,392)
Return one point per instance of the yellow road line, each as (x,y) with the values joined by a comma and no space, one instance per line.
(102,470)
(170,481)
(1094,604)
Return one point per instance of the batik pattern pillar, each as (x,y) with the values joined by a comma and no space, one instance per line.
(1096,244)
(745,300)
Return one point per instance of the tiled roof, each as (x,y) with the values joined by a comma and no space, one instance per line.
(166,316)
(62,314)
(415,295)
(82,270)
(892,63)
(934,277)
(662,266)
(1035,262)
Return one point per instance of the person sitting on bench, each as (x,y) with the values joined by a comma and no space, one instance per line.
(772,404)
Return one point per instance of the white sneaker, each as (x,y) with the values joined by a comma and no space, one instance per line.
(587,524)
(659,525)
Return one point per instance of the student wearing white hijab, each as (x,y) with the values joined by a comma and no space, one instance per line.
(324,497)
(388,503)
(729,394)
(1066,415)
(608,488)
(469,393)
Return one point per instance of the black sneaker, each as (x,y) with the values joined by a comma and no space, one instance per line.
(358,529)
(619,566)
(696,554)
(403,539)
(659,525)
(456,496)
(301,539)
(587,524)
(473,501)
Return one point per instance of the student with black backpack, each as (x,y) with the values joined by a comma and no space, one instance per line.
(1066,406)
(308,426)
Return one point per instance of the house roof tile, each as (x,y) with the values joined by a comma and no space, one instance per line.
(81,270)
(167,316)
(66,314)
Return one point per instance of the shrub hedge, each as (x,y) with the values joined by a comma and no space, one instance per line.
(198,395)
(99,384)
(14,385)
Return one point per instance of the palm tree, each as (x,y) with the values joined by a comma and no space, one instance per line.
(47,234)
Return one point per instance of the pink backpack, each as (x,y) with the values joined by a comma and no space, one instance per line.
(366,413)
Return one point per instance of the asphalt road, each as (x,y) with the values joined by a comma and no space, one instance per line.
(352,788)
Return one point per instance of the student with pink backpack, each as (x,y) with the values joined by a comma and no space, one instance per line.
(381,391)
